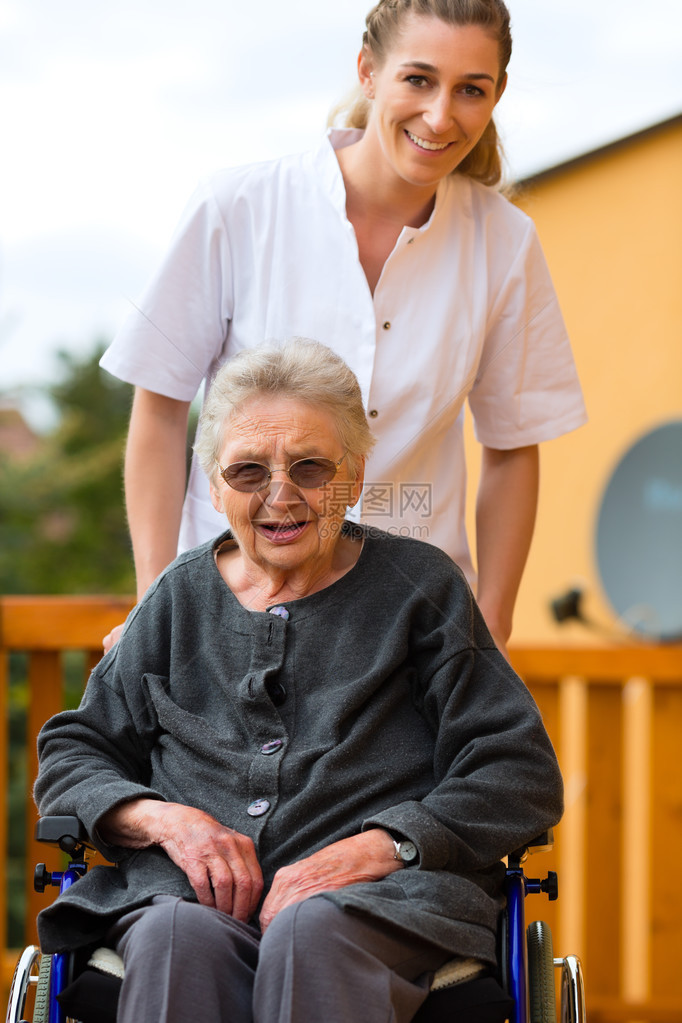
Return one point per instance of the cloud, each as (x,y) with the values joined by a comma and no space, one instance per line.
(110,114)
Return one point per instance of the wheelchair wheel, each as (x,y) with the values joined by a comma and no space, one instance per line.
(41,1009)
(25,975)
(542,999)
(573,1008)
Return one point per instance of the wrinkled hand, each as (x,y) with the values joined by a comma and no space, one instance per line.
(365,857)
(112,638)
(220,864)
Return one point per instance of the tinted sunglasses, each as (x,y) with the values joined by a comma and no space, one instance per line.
(306,473)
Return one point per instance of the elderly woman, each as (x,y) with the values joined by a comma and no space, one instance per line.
(305,754)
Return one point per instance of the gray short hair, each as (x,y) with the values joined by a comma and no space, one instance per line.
(299,368)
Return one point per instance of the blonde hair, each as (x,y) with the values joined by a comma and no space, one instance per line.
(299,368)
(383,24)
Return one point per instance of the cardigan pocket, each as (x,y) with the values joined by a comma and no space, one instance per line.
(194,756)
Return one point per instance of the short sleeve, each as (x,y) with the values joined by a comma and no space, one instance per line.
(170,340)
(526,389)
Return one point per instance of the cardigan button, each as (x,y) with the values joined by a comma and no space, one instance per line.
(258,807)
(277,692)
(271,747)
(386,325)
(280,611)
(373,413)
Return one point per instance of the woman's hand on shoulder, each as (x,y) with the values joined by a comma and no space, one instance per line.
(365,857)
(112,638)
(220,864)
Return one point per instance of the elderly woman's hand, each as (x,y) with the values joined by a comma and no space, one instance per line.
(365,857)
(220,863)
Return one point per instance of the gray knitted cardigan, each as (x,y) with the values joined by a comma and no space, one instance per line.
(399,712)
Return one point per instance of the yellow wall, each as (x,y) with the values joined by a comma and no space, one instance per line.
(611,228)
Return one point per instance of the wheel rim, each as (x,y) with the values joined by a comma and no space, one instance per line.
(24,974)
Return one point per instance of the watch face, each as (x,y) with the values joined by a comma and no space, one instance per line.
(408,852)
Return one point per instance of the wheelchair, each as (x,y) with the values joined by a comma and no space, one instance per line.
(523,991)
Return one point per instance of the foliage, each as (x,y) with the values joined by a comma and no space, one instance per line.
(62,530)
(62,521)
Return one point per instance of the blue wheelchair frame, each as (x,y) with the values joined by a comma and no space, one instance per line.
(69,835)
(61,961)
(517,886)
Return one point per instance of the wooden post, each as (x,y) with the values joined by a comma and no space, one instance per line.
(45,699)
(636,850)
(4,784)
(573,758)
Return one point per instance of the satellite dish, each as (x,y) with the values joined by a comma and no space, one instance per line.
(639,535)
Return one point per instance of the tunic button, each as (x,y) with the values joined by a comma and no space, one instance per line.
(373,413)
(387,325)
(271,747)
(258,807)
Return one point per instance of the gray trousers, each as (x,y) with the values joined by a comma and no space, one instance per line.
(186,962)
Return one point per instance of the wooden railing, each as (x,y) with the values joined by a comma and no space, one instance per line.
(615,717)
(41,632)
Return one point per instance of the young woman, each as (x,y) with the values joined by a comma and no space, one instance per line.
(391,245)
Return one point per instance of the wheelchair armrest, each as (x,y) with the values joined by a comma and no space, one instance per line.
(66,832)
(541,843)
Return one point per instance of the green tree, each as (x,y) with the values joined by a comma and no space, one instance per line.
(62,521)
(62,530)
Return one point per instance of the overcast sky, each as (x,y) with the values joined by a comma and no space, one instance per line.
(110,113)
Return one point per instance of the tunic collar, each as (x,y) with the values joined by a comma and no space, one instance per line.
(326,167)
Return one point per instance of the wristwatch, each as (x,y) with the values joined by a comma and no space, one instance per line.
(405,851)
